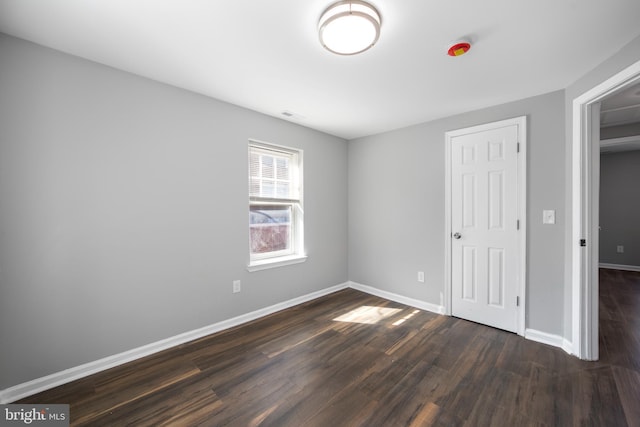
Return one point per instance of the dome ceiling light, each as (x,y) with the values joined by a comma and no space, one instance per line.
(349,27)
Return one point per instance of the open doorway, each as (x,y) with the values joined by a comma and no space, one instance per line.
(619,233)
(619,247)
(585,233)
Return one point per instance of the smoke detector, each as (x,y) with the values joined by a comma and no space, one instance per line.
(459,48)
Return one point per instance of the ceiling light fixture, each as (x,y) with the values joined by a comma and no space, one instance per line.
(349,27)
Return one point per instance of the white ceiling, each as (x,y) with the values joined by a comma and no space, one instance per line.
(264,55)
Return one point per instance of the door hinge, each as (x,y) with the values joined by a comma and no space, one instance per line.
(517,301)
(518,224)
(518,147)
(583,242)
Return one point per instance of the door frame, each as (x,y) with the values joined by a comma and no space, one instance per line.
(585,205)
(521,122)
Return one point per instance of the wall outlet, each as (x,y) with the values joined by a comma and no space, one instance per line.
(620,249)
(421,276)
(236,286)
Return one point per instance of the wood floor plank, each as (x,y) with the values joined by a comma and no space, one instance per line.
(405,402)
(425,346)
(431,414)
(384,371)
(348,408)
(487,414)
(186,403)
(330,377)
(123,384)
(628,385)
(596,389)
(549,397)
(620,331)
(506,390)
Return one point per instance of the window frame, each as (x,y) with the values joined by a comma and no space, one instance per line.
(295,253)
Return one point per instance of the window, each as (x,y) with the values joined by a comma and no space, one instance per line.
(275,206)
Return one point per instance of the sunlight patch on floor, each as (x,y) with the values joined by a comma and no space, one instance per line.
(405,318)
(367,314)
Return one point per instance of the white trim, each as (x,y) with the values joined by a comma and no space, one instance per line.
(619,267)
(521,122)
(549,339)
(447,224)
(264,264)
(438,309)
(274,147)
(584,310)
(38,385)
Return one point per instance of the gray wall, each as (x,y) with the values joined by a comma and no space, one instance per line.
(620,207)
(124,211)
(396,207)
(628,55)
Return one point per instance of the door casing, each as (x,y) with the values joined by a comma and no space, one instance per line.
(585,204)
(521,122)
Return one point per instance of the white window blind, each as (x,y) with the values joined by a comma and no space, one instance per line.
(273,174)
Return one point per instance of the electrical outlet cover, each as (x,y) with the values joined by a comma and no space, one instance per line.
(549,217)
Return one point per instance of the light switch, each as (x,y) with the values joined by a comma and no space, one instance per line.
(549,217)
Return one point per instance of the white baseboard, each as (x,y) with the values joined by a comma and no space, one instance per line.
(38,385)
(398,298)
(568,346)
(549,339)
(619,267)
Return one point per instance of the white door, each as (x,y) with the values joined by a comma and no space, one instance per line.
(485,259)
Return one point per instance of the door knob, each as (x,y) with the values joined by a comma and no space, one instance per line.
(457,236)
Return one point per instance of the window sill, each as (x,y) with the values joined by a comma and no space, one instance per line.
(264,264)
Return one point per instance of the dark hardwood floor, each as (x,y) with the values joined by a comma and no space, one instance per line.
(315,365)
